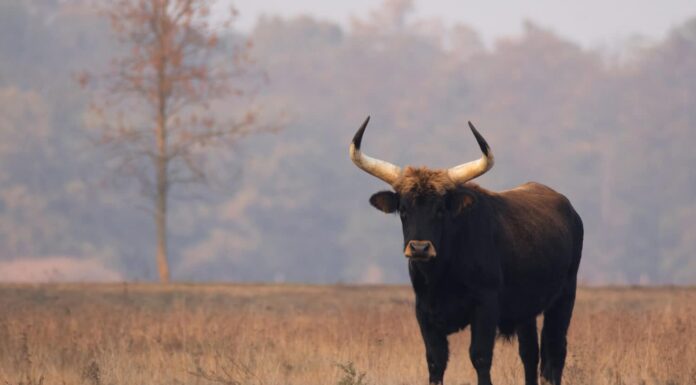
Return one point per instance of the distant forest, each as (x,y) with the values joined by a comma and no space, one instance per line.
(613,131)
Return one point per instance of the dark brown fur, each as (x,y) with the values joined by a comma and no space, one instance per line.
(502,259)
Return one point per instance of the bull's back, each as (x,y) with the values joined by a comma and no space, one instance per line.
(537,233)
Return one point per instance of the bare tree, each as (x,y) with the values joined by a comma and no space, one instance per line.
(155,101)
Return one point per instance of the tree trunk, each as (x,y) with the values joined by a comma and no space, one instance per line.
(162,159)
(162,192)
(161,222)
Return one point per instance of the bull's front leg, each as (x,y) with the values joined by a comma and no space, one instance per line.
(436,348)
(484,323)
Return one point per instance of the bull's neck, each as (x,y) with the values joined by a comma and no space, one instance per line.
(429,275)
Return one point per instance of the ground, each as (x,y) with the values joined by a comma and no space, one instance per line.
(123,334)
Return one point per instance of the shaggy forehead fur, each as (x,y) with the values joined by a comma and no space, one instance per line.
(419,181)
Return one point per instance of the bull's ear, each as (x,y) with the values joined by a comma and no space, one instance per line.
(386,201)
(460,202)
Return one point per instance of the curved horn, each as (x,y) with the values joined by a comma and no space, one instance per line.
(470,170)
(379,168)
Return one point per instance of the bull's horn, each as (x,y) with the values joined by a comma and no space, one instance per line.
(379,168)
(470,170)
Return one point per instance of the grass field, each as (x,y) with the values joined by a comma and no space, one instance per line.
(292,334)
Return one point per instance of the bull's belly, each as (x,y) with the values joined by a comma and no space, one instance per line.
(516,305)
(520,303)
(534,280)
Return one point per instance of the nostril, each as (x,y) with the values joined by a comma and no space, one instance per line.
(420,249)
(418,246)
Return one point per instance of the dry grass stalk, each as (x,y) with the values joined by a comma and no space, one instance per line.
(304,335)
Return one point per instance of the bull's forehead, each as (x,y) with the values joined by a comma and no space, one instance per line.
(423,182)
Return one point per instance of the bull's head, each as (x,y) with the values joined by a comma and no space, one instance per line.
(426,199)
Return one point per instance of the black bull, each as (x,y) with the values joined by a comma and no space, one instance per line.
(494,261)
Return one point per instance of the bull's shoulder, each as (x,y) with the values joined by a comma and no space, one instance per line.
(531,198)
(530,188)
(535,202)
(533,192)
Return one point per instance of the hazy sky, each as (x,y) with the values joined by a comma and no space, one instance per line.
(592,23)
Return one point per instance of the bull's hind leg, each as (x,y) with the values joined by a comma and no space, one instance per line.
(528,342)
(553,336)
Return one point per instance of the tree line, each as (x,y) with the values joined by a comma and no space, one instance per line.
(612,132)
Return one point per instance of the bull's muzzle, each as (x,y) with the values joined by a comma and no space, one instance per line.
(420,250)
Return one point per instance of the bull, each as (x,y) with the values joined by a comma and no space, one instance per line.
(493,261)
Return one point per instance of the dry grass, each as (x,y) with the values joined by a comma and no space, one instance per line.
(304,335)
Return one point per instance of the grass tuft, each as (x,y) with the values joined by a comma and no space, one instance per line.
(351,376)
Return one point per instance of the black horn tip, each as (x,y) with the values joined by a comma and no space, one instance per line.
(357,139)
(481,141)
